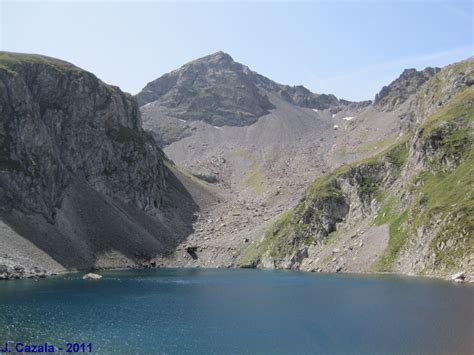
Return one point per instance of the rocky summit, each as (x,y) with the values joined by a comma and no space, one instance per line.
(214,89)
(402,88)
(221,92)
(215,165)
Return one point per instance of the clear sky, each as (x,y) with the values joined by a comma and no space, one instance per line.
(349,48)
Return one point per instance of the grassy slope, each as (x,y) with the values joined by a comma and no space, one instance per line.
(255,177)
(446,195)
(277,239)
(9,61)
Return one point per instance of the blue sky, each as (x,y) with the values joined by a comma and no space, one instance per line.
(349,48)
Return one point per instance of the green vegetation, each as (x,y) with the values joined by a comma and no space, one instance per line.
(462,67)
(446,196)
(278,236)
(436,87)
(369,183)
(398,237)
(272,241)
(388,212)
(440,190)
(255,178)
(324,186)
(459,107)
(376,146)
(440,200)
(243,153)
(288,233)
(185,172)
(450,197)
(398,155)
(9,61)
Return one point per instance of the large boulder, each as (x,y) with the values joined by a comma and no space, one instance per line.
(92,276)
(458,277)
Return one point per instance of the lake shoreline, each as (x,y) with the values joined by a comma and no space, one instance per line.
(468,280)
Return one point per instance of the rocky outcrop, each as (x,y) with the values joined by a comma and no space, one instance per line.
(437,92)
(330,204)
(458,277)
(300,96)
(79,178)
(399,90)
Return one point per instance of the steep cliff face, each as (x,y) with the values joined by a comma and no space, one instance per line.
(79,178)
(409,209)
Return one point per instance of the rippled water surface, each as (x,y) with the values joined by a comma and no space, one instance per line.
(241,312)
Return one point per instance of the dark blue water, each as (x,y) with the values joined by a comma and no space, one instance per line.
(241,312)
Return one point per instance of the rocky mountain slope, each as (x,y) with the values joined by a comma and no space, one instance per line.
(81,184)
(263,166)
(258,168)
(220,92)
(419,190)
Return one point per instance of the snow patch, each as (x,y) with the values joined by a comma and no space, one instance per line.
(181,120)
(216,127)
(348,118)
(148,104)
(336,126)
(315,109)
(333,115)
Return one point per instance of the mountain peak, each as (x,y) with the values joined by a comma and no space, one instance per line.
(399,90)
(205,90)
(219,91)
(215,59)
(220,55)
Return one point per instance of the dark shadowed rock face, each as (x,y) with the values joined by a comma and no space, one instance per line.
(78,175)
(217,90)
(399,90)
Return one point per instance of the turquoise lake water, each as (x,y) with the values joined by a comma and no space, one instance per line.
(198,311)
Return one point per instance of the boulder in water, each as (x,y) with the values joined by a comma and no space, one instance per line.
(91,276)
(458,277)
